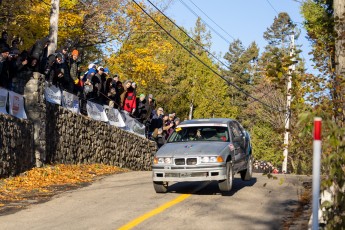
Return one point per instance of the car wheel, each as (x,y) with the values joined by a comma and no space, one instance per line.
(247,174)
(160,187)
(226,185)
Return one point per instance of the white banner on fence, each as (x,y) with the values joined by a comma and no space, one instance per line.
(3,100)
(133,125)
(52,94)
(16,103)
(96,111)
(114,117)
(70,102)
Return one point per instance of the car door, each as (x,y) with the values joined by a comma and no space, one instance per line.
(239,144)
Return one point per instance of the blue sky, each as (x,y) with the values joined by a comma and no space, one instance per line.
(246,20)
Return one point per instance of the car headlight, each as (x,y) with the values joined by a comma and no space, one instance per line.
(162,160)
(167,160)
(211,159)
(205,159)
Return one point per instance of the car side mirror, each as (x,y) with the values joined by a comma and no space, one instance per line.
(237,139)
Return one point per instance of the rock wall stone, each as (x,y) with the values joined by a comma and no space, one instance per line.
(73,138)
(16,145)
(53,134)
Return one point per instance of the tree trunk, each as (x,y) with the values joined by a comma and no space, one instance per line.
(53,28)
(339,15)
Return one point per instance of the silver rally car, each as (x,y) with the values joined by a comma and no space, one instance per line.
(204,150)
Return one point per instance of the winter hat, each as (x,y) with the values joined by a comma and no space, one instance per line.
(92,70)
(75,53)
(100,68)
(91,66)
(59,56)
(5,49)
(150,96)
(134,84)
(142,95)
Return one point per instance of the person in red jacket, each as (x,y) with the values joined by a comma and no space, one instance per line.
(129,101)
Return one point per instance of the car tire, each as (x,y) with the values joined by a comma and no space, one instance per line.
(248,172)
(160,187)
(226,185)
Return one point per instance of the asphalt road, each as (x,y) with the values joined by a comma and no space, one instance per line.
(128,200)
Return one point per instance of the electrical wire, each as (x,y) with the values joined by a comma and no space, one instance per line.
(183,31)
(212,20)
(215,31)
(207,51)
(272,6)
(207,66)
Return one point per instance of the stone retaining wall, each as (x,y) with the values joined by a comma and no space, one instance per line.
(53,134)
(16,145)
(73,138)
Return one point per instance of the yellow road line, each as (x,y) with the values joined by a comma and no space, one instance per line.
(154,212)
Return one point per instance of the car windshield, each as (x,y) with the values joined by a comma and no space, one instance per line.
(201,133)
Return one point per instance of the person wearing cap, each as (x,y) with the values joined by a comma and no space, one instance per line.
(86,80)
(141,109)
(98,82)
(106,71)
(74,71)
(57,73)
(64,52)
(4,67)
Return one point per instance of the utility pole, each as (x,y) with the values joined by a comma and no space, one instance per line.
(190,116)
(53,27)
(288,103)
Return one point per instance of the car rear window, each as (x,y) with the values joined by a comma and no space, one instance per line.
(201,133)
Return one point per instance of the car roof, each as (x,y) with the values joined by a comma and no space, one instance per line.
(210,120)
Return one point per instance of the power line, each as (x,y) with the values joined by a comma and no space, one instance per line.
(212,20)
(207,66)
(215,31)
(183,31)
(272,6)
(195,40)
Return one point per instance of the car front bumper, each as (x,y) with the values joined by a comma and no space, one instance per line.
(180,174)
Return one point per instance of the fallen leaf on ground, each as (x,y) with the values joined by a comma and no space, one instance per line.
(42,180)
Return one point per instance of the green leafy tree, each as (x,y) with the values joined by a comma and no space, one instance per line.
(322,26)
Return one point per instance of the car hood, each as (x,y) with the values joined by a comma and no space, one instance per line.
(182,149)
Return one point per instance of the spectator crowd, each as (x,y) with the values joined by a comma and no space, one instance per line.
(63,69)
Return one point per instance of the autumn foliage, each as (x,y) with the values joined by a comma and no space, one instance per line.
(45,180)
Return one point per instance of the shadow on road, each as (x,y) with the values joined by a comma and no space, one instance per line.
(209,188)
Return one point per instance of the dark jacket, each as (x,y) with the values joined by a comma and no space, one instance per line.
(149,107)
(4,72)
(40,52)
(73,69)
(141,111)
